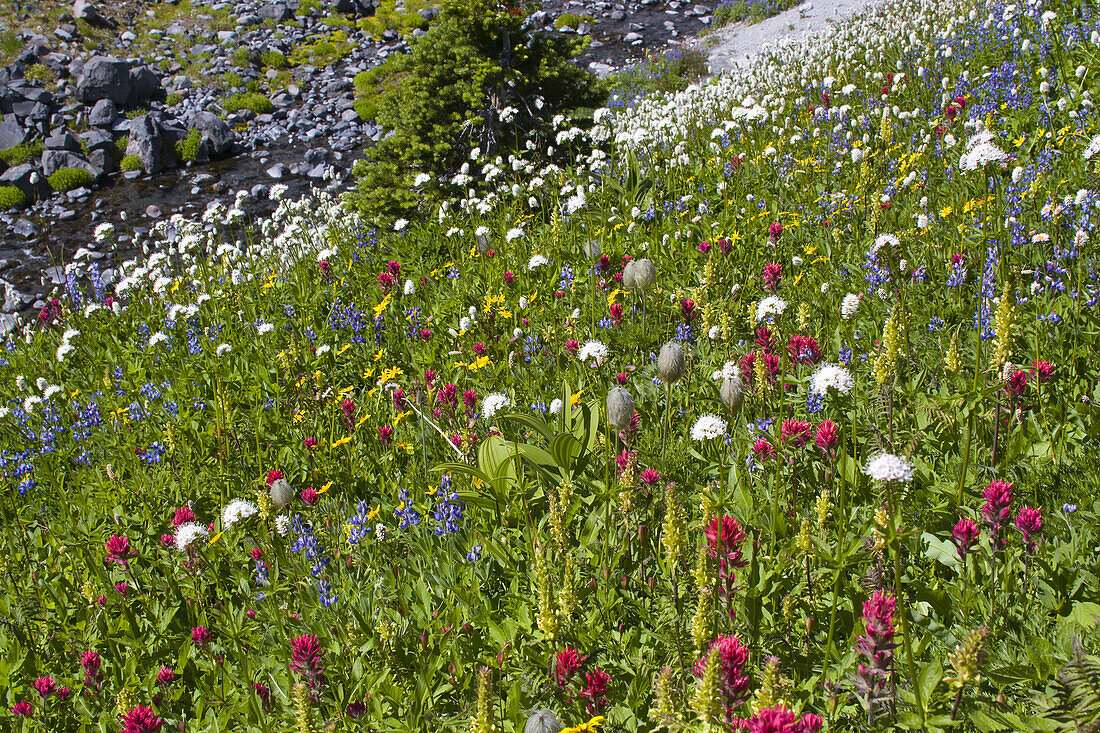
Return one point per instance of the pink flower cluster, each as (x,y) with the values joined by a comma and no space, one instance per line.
(733,681)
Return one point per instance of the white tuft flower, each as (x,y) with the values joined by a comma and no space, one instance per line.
(410,287)
(223,349)
(265,328)
(188,533)
(1093,148)
(536,261)
(421,179)
(769,307)
(282,525)
(400,225)
(708,427)
(513,234)
(714,333)
(849,306)
(237,510)
(493,403)
(831,376)
(593,350)
(555,406)
(888,467)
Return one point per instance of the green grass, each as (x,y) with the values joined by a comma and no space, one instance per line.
(273,59)
(173,99)
(130,163)
(22,153)
(371,84)
(66,179)
(571,20)
(325,51)
(188,147)
(11,198)
(252,101)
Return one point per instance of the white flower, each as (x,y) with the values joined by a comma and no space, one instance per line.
(1093,148)
(831,376)
(410,287)
(707,427)
(593,349)
(464,323)
(104,231)
(223,349)
(323,349)
(282,524)
(884,240)
(265,328)
(849,306)
(400,224)
(729,370)
(277,191)
(555,406)
(980,151)
(536,261)
(493,403)
(237,510)
(513,234)
(64,350)
(770,306)
(421,179)
(714,333)
(50,391)
(188,533)
(888,467)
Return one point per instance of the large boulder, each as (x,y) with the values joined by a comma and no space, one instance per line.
(103,114)
(145,85)
(11,133)
(55,160)
(24,177)
(150,143)
(95,139)
(353,7)
(277,12)
(84,10)
(62,139)
(104,77)
(217,137)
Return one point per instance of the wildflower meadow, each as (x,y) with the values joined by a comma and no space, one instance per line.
(770,406)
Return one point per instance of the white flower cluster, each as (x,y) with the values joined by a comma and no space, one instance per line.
(493,403)
(593,350)
(770,307)
(831,376)
(888,467)
(708,427)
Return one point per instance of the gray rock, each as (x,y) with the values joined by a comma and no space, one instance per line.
(62,139)
(145,85)
(11,133)
(128,36)
(24,177)
(217,137)
(633,38)
(277,171)
(105,159)
(153,211)
(103,114)
(277,12)
(84,10)
(97,140)
(104,77)
(354,7)
(24,228)
(55,160)
(150,144)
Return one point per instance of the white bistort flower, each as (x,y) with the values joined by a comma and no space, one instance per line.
(536,261)
(223,349)
(888,467)
(555,406)
(831,376)
(188,533)
(493,403)
(849,306)
(282,525)
(237,510)
(593,350)
(708,427)
(769,307)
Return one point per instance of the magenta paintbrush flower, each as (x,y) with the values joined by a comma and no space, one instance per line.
(1030,522)
(965,534)
(997,510)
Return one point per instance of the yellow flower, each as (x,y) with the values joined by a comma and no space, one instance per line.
(338,443)
(946,211)
(401,416)
(480,363)
(343,348)
(373,512)
(591,725)
(378,356)
(325,488)
(382,306)
(575,399)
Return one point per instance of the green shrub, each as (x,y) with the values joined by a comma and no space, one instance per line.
(20,154)
(130,163)
(135,113)
(371,85)
(11,198)
(253,86)
(66,179)
(323,52)
(122,143)
(273,59)
(242,57)
(400,16)
(453,91)
(254,101)
(571,20)
(173,99)
(337,21)
(231,79)
(40,73)
(307,6)
(188,148)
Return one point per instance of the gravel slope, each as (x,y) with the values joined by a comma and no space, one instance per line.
(739,42)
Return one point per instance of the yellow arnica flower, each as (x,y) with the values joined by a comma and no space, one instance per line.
(591,725)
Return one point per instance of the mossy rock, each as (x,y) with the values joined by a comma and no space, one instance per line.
(66,179)
(11,198)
